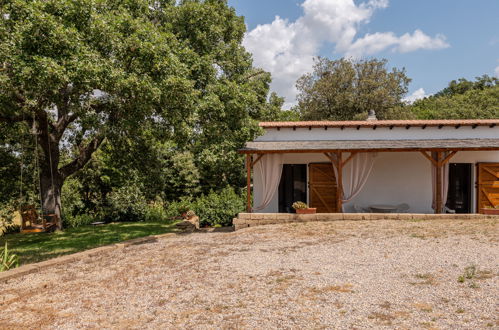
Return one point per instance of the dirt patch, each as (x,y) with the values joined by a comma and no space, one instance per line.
(345,274)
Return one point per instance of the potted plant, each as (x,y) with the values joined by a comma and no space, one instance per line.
(490,210)
(302,208)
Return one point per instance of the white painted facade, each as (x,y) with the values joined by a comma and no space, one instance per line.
(380,133)
(396,177)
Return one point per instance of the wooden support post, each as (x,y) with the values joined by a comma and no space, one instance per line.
(438,185)
(248,183)
(339,192)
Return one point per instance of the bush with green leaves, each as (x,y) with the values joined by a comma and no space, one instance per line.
(156,211)
(73,221)
(126,204)
(6,219)
(175,209)
(219,208)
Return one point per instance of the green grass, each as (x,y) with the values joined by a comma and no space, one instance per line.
(38,247)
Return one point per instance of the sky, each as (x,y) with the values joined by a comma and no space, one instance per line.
(436,41)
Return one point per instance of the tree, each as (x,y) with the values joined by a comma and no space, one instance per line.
(346,89)
(462,85)
(474,103)
(233,94)
(83,73)
(79,72)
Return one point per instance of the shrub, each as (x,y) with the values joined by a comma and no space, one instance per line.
(73,221)
(218,209)
(6,220)
(155,211)
(182,176)
(126,204)
(175,209)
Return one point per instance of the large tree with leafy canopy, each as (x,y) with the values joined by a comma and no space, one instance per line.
(462,99)
(346,89)
(81,72)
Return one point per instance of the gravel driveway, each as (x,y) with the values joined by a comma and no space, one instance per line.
(345,274)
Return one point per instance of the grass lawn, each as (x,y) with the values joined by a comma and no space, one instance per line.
(38,247)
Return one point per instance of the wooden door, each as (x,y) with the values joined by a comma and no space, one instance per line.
(322,187)
(488,185)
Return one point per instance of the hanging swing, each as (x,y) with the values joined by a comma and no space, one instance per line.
(31,220)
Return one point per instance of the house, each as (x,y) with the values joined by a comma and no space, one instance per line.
(432,166)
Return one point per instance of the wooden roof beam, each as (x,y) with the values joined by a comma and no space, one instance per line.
(352,154)
(257,160)
(433,161)
(449,156)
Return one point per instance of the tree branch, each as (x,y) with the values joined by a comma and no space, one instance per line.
(63,123)
(83,158)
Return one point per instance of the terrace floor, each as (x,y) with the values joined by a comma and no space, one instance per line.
(341,274)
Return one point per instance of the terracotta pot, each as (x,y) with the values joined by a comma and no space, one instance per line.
(490,211)
(310,210)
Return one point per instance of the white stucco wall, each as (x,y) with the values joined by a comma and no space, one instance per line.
(397,177)
(380,133)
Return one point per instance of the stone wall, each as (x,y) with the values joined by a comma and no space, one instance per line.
(245,220)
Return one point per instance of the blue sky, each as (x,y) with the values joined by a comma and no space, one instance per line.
(435,40)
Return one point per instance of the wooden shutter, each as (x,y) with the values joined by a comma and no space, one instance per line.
(488,185)
(322,185)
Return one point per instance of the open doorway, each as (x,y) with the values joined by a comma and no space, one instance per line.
(460,187)
(293,186)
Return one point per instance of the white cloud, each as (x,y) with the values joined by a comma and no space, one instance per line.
(377,42)
(419,40)
(416,95)
(287,49)
(496,71)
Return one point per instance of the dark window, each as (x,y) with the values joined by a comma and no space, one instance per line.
(293,186)
(460,187)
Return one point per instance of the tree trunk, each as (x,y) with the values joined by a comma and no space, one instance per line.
(51,180)
(51,194)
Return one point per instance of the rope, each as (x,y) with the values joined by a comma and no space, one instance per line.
(35,133)
(50,162)
(22,169)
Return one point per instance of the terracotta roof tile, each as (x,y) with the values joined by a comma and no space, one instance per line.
(382,123)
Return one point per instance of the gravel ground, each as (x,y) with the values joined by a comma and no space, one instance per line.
(362,274)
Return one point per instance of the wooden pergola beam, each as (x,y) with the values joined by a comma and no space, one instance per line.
(429,158)
(438,183)
(352,154)
(448,158)
(248,183)
(330,158)
(322,151)
(257,160)
(339,179)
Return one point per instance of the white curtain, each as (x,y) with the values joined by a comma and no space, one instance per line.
(355,174)
(445,182)
(269,168)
